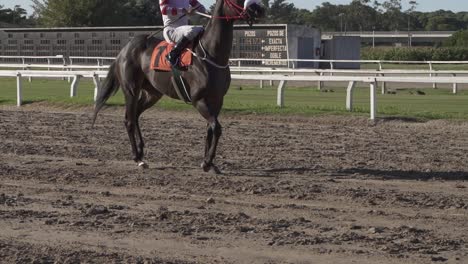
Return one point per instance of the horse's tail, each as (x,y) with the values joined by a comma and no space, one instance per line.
(109,87)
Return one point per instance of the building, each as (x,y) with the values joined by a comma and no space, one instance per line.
(342,48)
(263,45)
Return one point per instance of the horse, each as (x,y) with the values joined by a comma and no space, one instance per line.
(207,79)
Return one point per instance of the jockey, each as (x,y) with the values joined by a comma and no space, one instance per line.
(177,30)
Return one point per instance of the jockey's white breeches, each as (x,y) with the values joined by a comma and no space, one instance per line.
(175,34)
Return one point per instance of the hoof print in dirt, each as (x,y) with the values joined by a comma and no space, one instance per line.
(439,259)
(97,210)
(375,230)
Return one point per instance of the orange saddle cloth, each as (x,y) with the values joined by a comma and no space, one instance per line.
(159,61)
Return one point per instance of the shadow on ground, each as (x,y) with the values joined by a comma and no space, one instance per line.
(410,175)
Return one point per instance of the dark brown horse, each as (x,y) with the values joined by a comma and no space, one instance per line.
(207,80)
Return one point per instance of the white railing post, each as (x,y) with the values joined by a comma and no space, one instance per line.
(280,96)
(373,100)
(74,86)
(349,96)
(19,90)
(384,85)
(431,68)
(455,86)
(261,82)
(320,83)
(271,81)
(97,84)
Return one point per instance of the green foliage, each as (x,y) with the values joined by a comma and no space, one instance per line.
(76,13)
(15,17)
(459,39)
(359,15)
(416,54)
(366,15)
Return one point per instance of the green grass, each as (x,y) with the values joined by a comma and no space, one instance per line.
(436,104)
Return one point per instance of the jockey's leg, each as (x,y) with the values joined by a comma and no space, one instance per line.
(183,36)
(174,55)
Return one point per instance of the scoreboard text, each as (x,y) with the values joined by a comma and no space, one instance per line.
(266,44)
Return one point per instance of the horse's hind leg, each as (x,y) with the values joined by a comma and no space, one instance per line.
(131,121)
(148,98)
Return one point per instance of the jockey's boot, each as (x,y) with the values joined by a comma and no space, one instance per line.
(174,56)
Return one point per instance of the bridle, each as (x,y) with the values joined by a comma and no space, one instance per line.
(240,12)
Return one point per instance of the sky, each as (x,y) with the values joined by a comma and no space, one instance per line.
(424,5)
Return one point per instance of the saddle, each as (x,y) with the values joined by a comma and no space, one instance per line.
(159,61)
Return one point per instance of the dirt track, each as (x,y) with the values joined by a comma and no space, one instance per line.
(293,190)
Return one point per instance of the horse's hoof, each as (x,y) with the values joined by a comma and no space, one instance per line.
(142,165)
(205,167)
(208,168)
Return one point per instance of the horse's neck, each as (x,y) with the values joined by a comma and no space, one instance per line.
(218,36)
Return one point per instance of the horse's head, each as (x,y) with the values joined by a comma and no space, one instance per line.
(249,10)
(254,9)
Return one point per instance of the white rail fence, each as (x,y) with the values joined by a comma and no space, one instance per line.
(65,67)
(271,71)
(290,63)
(282,79)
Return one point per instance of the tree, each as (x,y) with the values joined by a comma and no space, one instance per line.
(459,39)
(15,16)
(281,12)
(76,13)
(393,17)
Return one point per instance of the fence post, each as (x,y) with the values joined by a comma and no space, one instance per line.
(74,86)
(384,85)
(271,81)
(19,88)
(261,82)
(97,84)
(431,68)
(373,100)
(280,96)
(349,95)
(320,83)
(70,69)
(455,86)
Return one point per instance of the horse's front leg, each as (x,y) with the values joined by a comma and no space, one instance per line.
(214,132)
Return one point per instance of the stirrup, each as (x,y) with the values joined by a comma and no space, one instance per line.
(175,64)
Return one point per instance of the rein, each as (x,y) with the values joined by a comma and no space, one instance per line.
(205,57)
(241,14)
